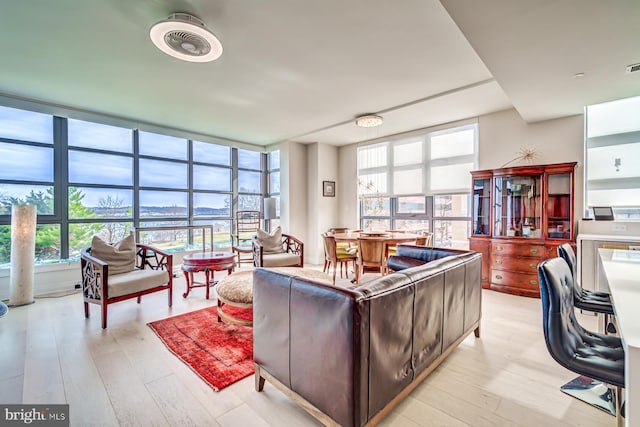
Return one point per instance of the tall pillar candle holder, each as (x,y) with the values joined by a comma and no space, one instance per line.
(23,249)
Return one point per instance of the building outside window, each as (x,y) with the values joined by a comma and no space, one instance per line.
(88,178)
(420,183)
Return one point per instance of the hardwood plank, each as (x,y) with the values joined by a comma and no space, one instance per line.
(178,405)
(273,405)
(244,416)
(426,415)
(13,340)
(131,401)
(85,392)
(396,419)
(42,373)
(11,389)
(126,376)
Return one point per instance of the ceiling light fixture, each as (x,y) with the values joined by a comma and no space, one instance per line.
(185,37)
(369,120)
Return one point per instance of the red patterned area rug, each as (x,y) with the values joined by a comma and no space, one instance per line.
(220,353)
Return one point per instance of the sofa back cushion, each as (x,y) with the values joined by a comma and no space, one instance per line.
(121,256)
(271,242)
(426,254)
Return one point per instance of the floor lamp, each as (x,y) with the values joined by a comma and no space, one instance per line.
(23,249)
(269,210)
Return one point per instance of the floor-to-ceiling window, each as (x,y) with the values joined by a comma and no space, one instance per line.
(27,175)
(420,182)
(612,147)
(273,185)
(89,178)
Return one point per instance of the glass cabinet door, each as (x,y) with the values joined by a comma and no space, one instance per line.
(481,206)
(559,206)
(517,207)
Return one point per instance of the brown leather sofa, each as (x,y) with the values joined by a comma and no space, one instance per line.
(347,356)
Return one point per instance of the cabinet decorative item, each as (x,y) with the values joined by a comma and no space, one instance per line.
(520,216)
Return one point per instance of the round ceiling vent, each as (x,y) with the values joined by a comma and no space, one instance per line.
(185,37)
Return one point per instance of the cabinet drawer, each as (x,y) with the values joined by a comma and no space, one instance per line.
(523,265)
(514,279)
(514,249)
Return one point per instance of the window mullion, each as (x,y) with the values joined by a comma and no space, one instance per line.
(61,181)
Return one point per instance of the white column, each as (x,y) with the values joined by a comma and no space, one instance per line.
(23,248)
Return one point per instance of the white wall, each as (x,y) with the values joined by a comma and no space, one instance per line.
(293,189)
(348,186)
(504,133)
(322,163)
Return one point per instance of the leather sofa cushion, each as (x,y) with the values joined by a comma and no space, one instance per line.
(408,256)
(397,263)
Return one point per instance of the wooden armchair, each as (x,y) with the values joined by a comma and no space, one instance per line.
(152,273)
(292,254)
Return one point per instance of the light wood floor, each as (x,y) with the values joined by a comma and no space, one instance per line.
(125,376)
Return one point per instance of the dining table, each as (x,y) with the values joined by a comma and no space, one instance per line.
(620,271)
(389,238)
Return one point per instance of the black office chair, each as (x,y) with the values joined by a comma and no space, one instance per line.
(584,352)
(584,299)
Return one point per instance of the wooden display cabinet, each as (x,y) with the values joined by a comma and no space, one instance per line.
(520,216)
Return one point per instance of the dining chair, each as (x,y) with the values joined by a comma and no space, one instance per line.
(246,224)
(390,249)
(371,255)
(339,230)
(333,255)
(425,239)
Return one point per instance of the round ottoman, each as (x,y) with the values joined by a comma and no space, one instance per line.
(236,291)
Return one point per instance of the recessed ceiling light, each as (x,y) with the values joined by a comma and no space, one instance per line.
(185,37)
(369,120)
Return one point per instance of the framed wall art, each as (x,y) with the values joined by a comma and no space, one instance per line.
(328,188)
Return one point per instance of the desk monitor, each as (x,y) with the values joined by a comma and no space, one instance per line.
(603,213)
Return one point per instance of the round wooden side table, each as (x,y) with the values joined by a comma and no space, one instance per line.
(209,262)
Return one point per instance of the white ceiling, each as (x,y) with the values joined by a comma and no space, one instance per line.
(302,71)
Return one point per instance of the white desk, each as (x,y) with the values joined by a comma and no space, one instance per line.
(587,246)
(622,271)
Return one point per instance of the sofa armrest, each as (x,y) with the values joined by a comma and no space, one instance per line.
(295,321)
